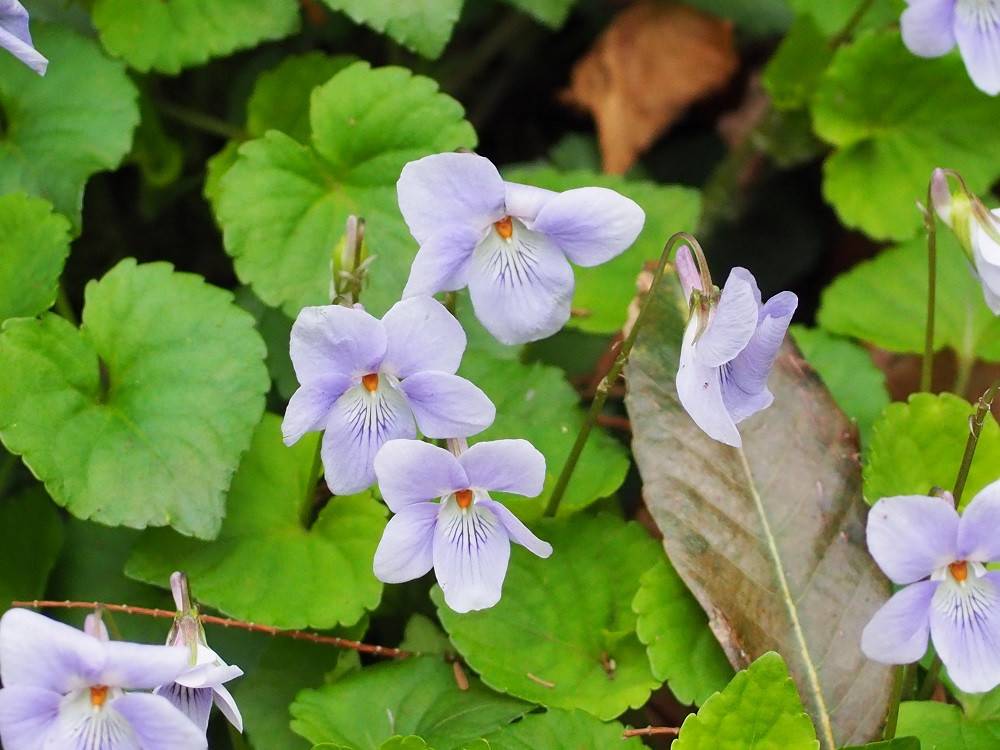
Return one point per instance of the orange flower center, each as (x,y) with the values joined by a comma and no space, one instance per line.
(98,696)
(959,570)
(463,498)
(370,382)
(505,227)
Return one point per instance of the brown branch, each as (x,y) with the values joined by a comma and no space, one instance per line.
(649,731)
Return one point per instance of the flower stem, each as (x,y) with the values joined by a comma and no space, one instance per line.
(976,422)
(200,121)
(845,34)
(902,684)
(604,387)
(931,680)
(930,222)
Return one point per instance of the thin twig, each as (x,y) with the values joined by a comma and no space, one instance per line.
(650,731)
(930,222)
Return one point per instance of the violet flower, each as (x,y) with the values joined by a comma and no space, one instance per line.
(366,381)
(939,557)
(16,38)
(510,244)
(728,350)
(203,683)
(65,689)
(466,536)
(931,28)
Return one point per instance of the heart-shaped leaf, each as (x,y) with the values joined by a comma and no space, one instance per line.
(139,417)
(770,537)
(31,535)
(557,729)
(939,726)
(424,27)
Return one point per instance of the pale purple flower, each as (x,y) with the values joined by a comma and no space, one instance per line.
(931,28)
(466,536)
(510,244)
(203,682)
(15,37)
(65,689)
(939,557)
(366,381)
(728,352)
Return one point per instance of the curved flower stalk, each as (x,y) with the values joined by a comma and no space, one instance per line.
(203,682)
(510,244)
(65,689)
(465,536)
(16,38)
(931,28)
(940,558)
(366,381)
(729,347)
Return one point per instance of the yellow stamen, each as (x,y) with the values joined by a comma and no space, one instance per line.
(463,498)
(370,382)
(959,570)
(98,695)
(505,227)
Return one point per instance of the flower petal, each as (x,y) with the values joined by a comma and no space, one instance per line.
(516,530)
(978,539)
(137,666)
(521,288)
(911,536)
(225,702)
(452,188)
(27,714)
(471,552)
(525,201)
(591,225)
(733,323)
(965,628)
(406,549)
(447,405)
(442,262)
(15,37)
(927,27)
(687,272)
(158,724)
(505,466)
(898,632)
(194,702)
(36,651)
(335,340)
(360,424)
(422,335)
(699,389)
(412,471)
(310,405)
(80,727)
(977,31)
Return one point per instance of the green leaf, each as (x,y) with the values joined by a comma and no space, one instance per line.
(755,18)
(535,402)
(832,17)
(919,445)
(404,743)
(768,537)
(422,635)
(759,709)
(889,137)
(415,696)
(854,381)
(568,619)
(169,36)
(682,650)
(795,69)
(900,743)
(884,301)
(552,13)
(275,328)
(34,243)
(603,293)
(139,417)
(561,730)
(939,726)
(60,129)
(267,565)
(423,26)
(283,204)
(31,535)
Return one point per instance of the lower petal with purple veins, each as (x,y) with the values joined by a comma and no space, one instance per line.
(471,552)
(977,31)
(965,629)
(898,632)
(195,703)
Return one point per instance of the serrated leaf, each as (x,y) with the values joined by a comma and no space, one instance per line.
(770,537)
(561,730)
(267,565)
(423,26)
(853,380)
(283,205)
(563,634)
(60,129)
(415,696)
(682,650)
(553,13)
(34,243)
(919,445)
(759,709)
(604,292)
(139,417)
(31,535)
(890,136)
(796,67)
(884,301)
(169,36)
(939,726)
